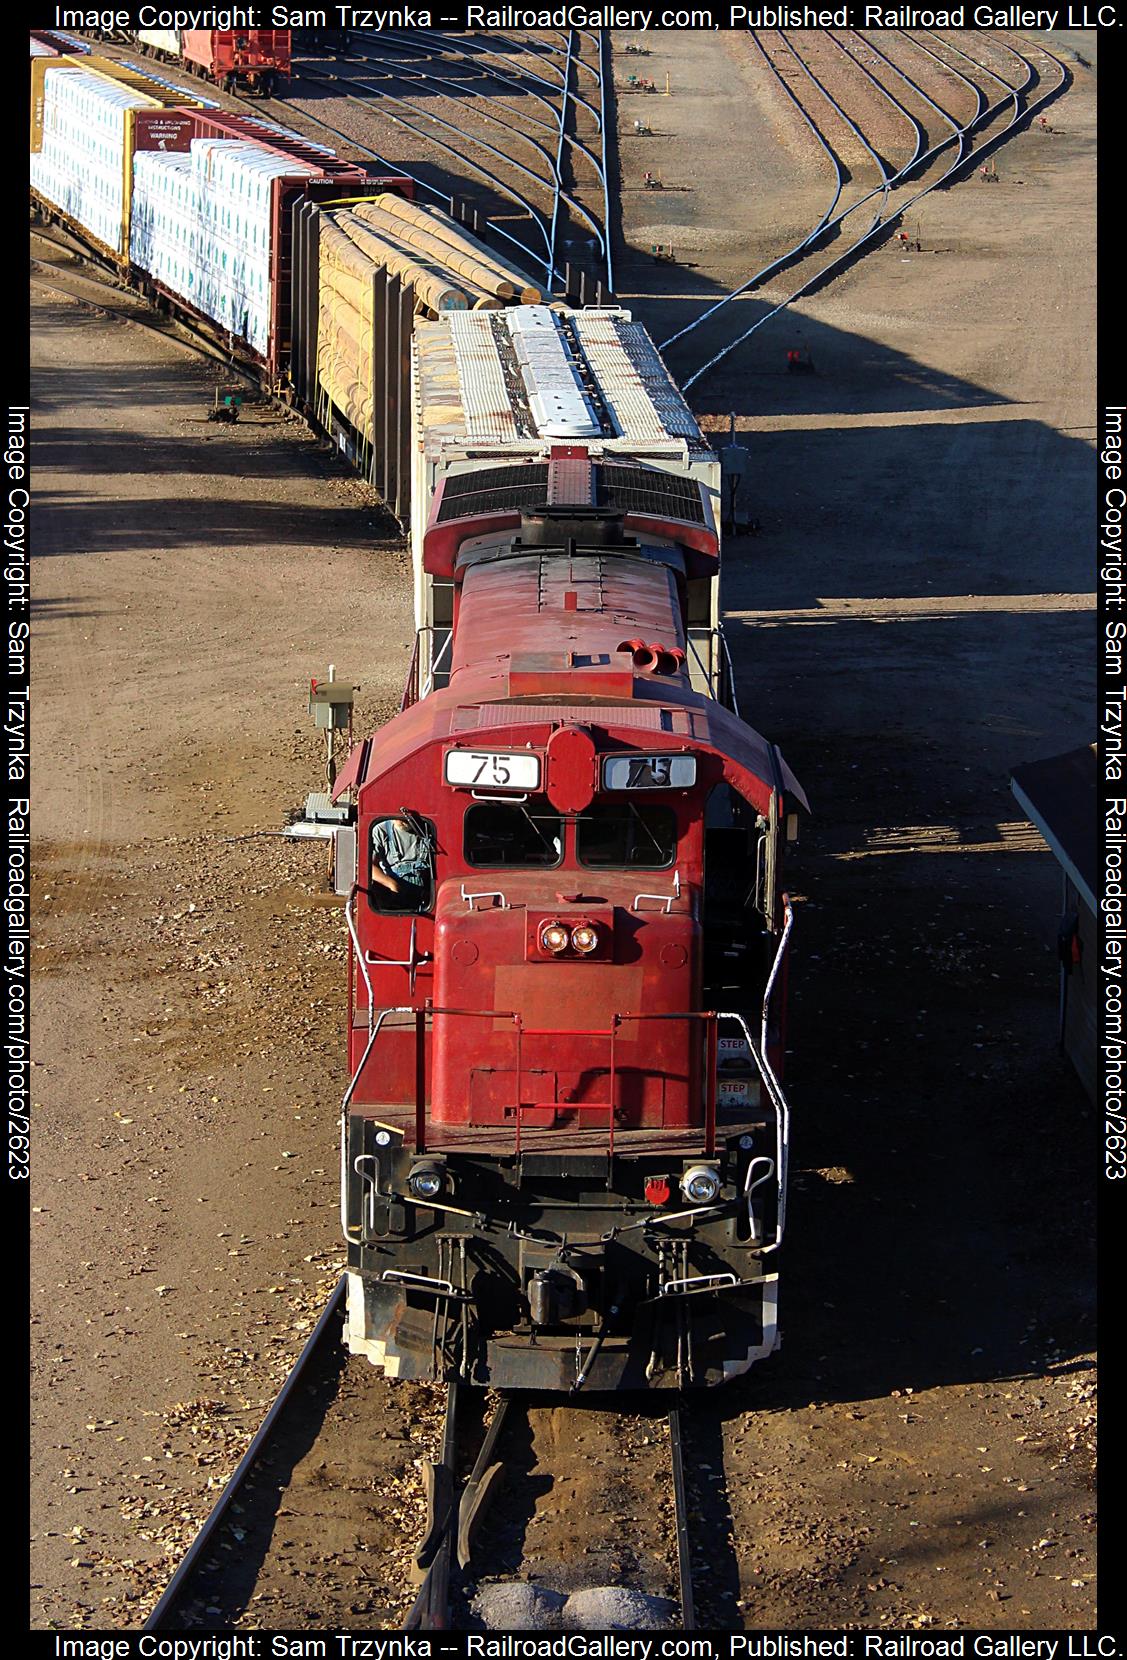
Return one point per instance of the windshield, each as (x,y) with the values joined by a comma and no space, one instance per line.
(507,833)
(623,835)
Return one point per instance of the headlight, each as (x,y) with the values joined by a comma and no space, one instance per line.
(584,939)
(700,1184)
(426,1181)
(554,937)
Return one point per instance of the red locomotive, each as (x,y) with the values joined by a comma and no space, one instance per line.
(564,1141)
(240,60)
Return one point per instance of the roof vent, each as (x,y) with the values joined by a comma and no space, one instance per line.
(560,407)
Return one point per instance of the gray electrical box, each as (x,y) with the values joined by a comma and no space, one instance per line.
(320,809)
(330,703)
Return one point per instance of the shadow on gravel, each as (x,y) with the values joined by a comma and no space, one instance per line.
(226,1581)
(249,451)
(109,526)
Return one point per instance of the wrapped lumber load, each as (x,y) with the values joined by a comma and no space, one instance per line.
(90,117)
(203,226)
(81,161)
(433,232)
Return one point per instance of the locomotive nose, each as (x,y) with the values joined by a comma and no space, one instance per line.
(564,1008)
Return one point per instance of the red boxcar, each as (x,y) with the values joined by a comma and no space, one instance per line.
(255,59)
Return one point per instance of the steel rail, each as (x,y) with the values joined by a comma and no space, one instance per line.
(417,179)
(913,121)
(190,1561)
(455,1509)
(959,134)
(411,43)
(681,1514)
(840,109)
(430,1610)
(975,63)
(830,220)
(339,83)
(952,69)
(981,96)
(553,183)
(442,195)
(553,243)
(604,82)
(427,79)
(599,165)
(530,49)
(886,176)
(467,101)
(1034,46)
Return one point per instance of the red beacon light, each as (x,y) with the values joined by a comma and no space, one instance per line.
(657,1190)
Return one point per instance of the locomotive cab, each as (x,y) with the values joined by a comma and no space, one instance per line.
(538,1037)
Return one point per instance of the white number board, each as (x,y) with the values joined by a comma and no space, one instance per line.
(649,772)
(493,769)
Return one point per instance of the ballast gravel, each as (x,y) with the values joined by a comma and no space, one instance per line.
(518,1606)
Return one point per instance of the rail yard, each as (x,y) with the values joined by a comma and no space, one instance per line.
(867,260)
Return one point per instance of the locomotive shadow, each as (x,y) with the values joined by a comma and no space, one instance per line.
(941,1225)
(850,373)
(881,536)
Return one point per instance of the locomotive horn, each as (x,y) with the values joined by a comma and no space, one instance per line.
(645,657)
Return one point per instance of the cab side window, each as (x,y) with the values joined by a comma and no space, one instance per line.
(401,865)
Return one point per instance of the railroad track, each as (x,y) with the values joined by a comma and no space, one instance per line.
(548,163)
(189,1584)
(478,1465)
(100,288)
(458,1514)
(1000,107)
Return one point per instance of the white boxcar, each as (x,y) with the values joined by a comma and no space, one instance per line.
(163,40)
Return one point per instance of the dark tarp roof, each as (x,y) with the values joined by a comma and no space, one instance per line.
(1059,796)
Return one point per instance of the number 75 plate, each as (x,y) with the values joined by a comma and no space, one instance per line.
(493,769)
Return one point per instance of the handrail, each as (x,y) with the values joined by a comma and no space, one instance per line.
(411,684)
(758,1052)
(412,962)
(358,953)
(665,899)
(373,1033)
(427,683)
(486,893)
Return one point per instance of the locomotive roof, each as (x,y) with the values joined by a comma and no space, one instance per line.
(671,712)
(530,374)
